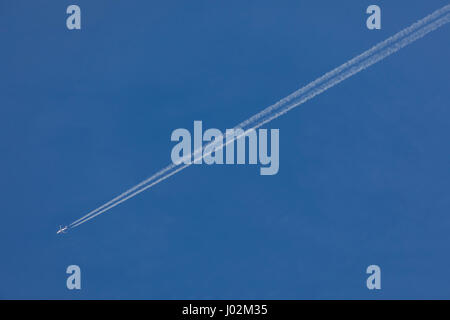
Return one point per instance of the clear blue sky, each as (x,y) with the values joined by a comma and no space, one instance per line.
(364,168)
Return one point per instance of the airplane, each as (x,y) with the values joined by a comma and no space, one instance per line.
(62,230)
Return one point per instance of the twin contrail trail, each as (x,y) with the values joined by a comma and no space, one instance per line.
(377,53)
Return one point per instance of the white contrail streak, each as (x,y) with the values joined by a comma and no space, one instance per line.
(366,59)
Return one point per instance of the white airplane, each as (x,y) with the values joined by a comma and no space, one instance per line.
(62,230)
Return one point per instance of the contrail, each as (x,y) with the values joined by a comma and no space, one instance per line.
(377,53)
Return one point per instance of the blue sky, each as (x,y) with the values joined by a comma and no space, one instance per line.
(364,168)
